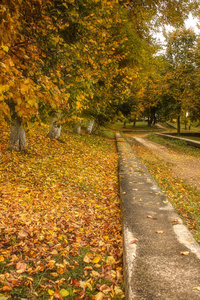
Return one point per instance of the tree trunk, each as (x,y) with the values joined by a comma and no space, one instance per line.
(178,125)
(185,122)
(55,130)
(90,127)
(17,136)
(149,121)
(77,128)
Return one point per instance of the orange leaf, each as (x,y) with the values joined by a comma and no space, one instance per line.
(6,288)
(133,241)
(75,282)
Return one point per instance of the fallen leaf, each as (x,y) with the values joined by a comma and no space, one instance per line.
(21,266)
(105,289)
(174,222)
(51,292)
(89,286)
(159,231)
(196,288)
(133,241)
(95,274)
(185,253)
(150,217)
(22,235)
(88,268)
(2,297)
(99,296)
(75,282)
(64,293)
(87,258)
(6,288)
(54,274)
(57,295)
(118,291)
(96,259)
(110,260)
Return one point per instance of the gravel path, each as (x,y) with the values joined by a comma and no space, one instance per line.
(184,166)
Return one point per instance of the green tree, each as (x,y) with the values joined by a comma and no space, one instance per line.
(178,79)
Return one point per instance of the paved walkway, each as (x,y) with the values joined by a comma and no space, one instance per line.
(161,259)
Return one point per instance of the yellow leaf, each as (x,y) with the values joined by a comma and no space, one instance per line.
(24,88)
(64,293)
(89,286)
(196,288)
(54,274)
(2,297)
(96,259)
(5,48)
(1,258)
(19,101)
(110,260)
(50,292)
(118,291)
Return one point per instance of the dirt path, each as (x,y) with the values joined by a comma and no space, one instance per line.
(183,165)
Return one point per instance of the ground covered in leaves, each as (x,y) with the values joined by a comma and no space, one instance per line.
(60,225)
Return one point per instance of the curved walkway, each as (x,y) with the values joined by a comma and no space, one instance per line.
(161,258)
(182,165)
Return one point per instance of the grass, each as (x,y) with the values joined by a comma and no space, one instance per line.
(194,138)
(183,197)
(140,125)
(177,145)
(193,127)
(60,227)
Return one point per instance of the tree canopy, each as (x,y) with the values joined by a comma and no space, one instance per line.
(78,57)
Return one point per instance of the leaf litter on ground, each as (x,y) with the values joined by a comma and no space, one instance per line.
(60,226)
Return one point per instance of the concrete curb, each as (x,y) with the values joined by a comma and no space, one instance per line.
(129,250)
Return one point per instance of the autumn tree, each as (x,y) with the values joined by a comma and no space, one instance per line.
(194,111)
(179,74)
(67,58)
(24,29)
(140,67)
